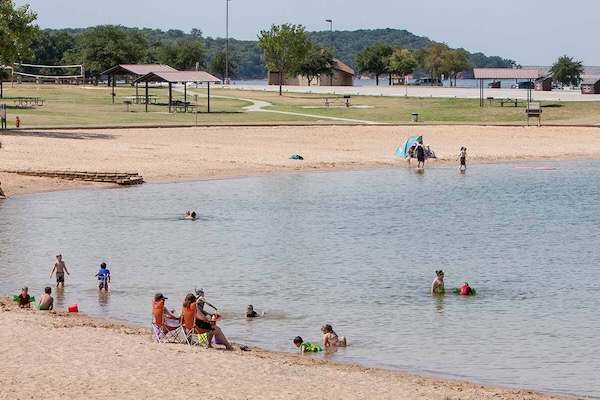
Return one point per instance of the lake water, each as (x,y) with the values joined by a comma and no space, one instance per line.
(356,249)
(383,81)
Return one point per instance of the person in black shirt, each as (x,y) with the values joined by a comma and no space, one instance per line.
(420,151)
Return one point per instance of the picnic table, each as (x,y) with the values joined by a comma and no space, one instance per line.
(141,99)
(28,101)
(183,107)
(503,101)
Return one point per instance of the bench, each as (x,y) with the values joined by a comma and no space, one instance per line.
(534,110)
(344,100)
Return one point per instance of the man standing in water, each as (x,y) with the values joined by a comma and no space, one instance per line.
(420,151)
(60,268)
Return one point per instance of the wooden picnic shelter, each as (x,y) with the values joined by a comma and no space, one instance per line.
(132,70)
(529,74)
(184,77)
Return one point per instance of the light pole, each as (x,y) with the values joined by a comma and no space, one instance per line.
(227,42)
(330,33)
(330,44)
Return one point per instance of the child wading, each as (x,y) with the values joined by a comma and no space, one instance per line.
(462,156)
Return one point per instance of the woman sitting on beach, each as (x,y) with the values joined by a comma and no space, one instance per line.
(437,287)
(331,339)
(203,321)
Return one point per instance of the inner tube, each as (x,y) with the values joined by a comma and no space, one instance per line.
(457,291)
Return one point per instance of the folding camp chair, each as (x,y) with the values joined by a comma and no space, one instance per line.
(165,330)
(194,336)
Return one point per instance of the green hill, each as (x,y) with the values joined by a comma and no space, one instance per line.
(51,45)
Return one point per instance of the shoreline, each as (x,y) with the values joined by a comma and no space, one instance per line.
(176,155)
(65,185)
(166,155)
(82,336)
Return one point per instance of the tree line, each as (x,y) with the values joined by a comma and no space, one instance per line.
(376,52)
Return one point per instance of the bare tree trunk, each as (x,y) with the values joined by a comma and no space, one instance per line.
(280,82)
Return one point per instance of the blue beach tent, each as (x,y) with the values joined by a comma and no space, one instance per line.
(403,149)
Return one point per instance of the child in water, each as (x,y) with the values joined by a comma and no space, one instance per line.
(465,290)
(437,286)
(462,156)
(250,313)
(330,338)
(306,346)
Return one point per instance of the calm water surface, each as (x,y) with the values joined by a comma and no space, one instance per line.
(354,249)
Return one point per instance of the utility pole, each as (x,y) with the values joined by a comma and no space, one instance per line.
(227,42)
(330,45)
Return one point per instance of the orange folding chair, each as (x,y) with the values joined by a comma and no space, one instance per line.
(194,336)
(164,329)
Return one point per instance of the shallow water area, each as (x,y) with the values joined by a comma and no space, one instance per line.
(356,249)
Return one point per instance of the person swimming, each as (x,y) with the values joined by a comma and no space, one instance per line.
(190,215)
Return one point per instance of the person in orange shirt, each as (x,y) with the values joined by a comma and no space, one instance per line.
(202,321)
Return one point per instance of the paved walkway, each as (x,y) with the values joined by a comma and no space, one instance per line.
(427,91)
(260,106)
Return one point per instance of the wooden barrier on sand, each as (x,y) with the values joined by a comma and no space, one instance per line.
(120,178)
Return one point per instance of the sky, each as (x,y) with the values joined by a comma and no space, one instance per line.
(530,32)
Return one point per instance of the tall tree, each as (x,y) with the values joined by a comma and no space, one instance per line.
(16,31)
(218,67)
(566,71)
(284,47)
(457,61)
(402,62)
(374,60)
(318,62)
(48,47)
(183,55)
(104,46)
(436,59)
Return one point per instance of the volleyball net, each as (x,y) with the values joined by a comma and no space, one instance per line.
(57,73)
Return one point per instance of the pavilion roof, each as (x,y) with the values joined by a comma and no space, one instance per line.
(507,73)
(177,76)
(137,69)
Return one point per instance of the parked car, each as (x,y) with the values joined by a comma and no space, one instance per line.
(427,82)
(523,85)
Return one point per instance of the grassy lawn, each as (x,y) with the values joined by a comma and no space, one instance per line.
(76,106)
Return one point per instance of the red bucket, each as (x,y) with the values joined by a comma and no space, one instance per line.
(73,308)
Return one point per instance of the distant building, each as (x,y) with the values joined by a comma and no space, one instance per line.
(343,75)
(590,87)
(543,84)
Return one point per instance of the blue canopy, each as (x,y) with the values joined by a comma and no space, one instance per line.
(403,149)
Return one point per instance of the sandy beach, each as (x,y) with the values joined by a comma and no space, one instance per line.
(174,154)
(61,355)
